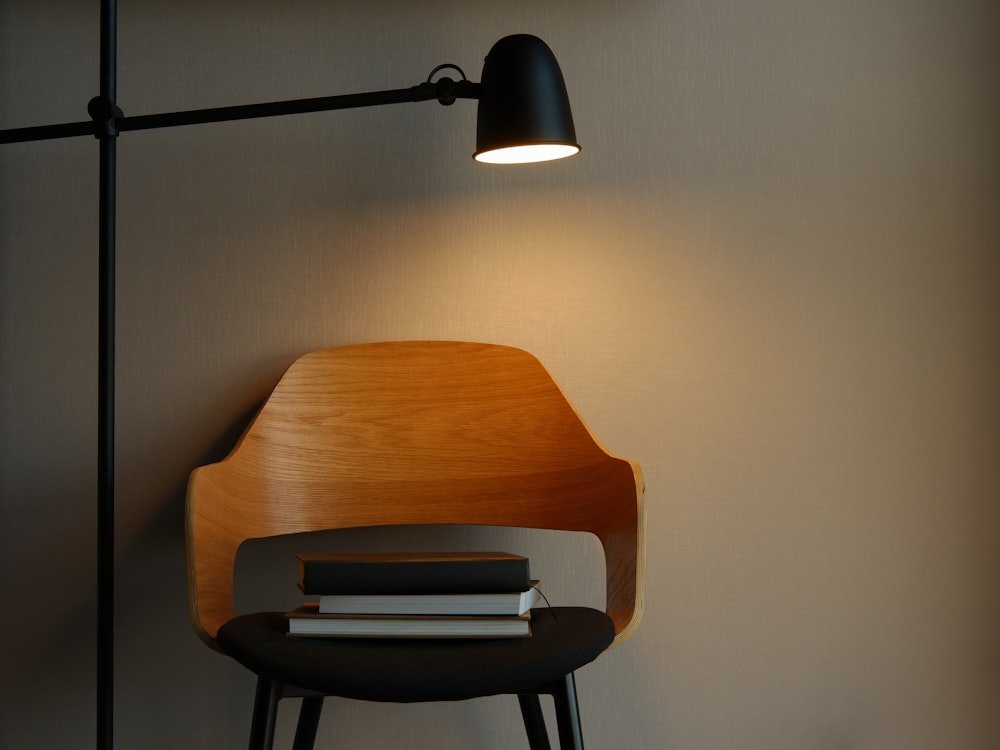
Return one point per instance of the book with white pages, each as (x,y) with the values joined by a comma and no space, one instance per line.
(510,604)
(306,622)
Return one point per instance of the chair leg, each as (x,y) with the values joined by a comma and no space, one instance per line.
(305,730)
(534,722)
(567,714)
(265,713)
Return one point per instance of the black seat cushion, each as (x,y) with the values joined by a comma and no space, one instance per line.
(405,671)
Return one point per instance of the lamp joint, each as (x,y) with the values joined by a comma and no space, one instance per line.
(447,88)
(105,115)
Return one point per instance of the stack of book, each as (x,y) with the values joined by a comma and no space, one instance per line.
(415,595)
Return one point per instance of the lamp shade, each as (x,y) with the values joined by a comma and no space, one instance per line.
(524,113)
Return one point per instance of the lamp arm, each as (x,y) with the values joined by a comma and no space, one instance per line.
(445,90)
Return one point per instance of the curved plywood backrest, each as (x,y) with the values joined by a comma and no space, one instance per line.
(413,433)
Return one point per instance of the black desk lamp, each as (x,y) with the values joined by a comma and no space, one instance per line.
(524,116)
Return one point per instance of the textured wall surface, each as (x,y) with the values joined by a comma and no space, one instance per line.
(771,278)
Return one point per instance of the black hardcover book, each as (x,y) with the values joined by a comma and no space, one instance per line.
(413,573)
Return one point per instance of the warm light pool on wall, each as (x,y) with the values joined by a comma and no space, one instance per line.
(524,116)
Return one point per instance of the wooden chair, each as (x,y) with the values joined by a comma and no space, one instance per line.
(415,433)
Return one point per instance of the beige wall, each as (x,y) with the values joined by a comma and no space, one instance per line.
(771,279)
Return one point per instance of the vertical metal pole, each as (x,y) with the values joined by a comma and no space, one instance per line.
(107,199)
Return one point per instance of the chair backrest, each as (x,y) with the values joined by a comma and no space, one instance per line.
(413,433)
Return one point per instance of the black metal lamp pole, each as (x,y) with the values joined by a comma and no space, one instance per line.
(103,111)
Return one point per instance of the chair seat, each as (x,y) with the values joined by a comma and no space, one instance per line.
(407,671)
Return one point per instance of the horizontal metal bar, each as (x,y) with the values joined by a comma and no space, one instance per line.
(47,132)
(419,93)
(422,92)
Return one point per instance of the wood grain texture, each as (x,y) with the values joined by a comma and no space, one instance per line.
(426,432)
